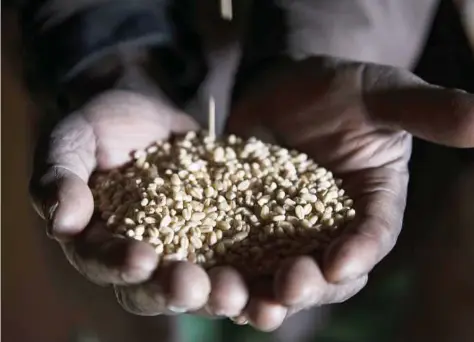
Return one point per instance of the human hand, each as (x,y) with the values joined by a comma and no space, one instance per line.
(357,120)
(102,136)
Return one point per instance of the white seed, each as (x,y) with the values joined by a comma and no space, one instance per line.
(196,242)
(149,220)
(165,221)
(175,179)
(195,193)
(305,224)
(219,154)
(159,249)
(198,216)
(184,242)
(128,221)
(223,225)
(212,239)
(309,197)
(209,191)
(279,210)
(174,257)
(209,222)
(220,248)
(243,185)
(313,220)
(223,206)
(168,239)
(186,214)
(328,221)
(153,233)
(240,236)
(299,212)
(350,214)
(348,203)
(197,198)
(263,200)
(139,230)
(278,218)
(319,207)
(264,212)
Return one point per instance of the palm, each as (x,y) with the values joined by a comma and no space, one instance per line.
(133,125)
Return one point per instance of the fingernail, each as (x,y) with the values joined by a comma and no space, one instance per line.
(219,313)
(177,309)
(240,320)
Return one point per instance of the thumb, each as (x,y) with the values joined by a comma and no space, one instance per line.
(397,99)
(64,161)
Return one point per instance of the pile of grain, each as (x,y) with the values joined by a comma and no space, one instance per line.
(230,201)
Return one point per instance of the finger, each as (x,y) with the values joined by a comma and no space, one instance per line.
(263,311)
(400,100)
(175,288)
(182,123)
(334,293)
(373,233)
(107,259)
(229,292)
(339,293)
(299,281)
(300,284)
(64,201)
(59,183)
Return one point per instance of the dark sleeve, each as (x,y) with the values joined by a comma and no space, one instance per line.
(65,37)
(75,49)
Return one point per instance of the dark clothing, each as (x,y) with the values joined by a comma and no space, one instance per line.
(68,38)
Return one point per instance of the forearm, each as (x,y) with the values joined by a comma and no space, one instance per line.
(381,31)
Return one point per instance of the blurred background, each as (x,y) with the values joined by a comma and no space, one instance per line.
(422,292)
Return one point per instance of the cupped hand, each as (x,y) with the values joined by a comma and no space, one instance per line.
(357,120)
(100,136)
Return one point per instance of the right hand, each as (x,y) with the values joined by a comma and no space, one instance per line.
(100,136)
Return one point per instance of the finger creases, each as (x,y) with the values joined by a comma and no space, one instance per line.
(107,259)
(264,311)
(229,292)
(174,288)
(300,284)
(64,160)
(64,200)
(371,236)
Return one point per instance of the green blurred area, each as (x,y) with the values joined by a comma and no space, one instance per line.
(374,315)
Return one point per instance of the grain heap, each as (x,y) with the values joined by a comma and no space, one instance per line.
(229,201)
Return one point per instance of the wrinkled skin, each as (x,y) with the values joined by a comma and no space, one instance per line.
(356,119)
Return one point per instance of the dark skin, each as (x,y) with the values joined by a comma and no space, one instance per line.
(356,119)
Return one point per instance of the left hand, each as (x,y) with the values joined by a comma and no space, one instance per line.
(358,121)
